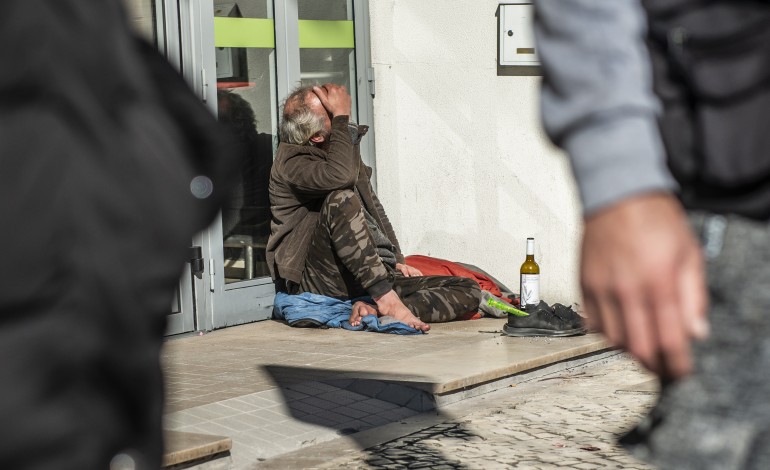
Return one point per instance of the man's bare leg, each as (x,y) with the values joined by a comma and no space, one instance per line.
(390,304)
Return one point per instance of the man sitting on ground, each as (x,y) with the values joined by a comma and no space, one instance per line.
(330,234)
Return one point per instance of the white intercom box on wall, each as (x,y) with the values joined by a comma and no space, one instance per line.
(517,39)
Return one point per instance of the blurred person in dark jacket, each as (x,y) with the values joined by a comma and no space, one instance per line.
(109,166)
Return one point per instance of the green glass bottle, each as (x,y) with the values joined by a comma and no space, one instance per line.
(530,277)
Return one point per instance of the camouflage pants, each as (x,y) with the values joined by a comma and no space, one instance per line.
(719,417)
(435,299)
(342,262)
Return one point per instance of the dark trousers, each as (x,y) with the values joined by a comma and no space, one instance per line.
(343,262)
(436,299)
(719,417)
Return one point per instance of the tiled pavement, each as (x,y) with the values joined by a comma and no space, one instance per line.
(273,422)
(570,419)
(275,389)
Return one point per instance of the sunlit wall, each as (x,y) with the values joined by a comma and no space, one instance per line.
(463,166)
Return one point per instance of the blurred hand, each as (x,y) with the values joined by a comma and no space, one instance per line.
(334,98)
(407,270)
(643,281)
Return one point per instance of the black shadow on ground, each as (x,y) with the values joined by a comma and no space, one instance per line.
(350,402)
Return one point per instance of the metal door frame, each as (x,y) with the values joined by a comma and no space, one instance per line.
(183,320)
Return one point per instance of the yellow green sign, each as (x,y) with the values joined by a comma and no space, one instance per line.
(260,33)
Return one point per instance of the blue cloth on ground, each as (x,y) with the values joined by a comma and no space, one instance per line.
(332,313)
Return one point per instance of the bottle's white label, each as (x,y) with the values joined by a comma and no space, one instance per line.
(530,289)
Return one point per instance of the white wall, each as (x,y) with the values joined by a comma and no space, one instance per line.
(141,14)
(464,169)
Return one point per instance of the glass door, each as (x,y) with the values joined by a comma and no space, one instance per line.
(327,44)
(241,65)
(334,47)
(246,103)
(252,54)
(157,22)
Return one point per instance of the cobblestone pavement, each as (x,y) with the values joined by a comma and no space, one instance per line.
(570,420)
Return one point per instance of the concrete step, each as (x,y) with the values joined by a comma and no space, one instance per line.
(275,389)
(191,450)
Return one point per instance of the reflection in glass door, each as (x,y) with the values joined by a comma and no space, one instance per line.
(246,102)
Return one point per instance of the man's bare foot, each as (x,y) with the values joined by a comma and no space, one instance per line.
(361,309)
(391,305)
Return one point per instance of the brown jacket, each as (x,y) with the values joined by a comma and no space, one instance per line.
(301,178)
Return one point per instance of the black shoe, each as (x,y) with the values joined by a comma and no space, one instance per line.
(542,321)
(570,316)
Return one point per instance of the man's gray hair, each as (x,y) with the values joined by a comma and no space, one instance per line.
(298,122)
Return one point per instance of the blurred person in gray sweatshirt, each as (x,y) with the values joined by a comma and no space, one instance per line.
(662,107)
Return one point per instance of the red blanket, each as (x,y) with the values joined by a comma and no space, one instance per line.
(440,267)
